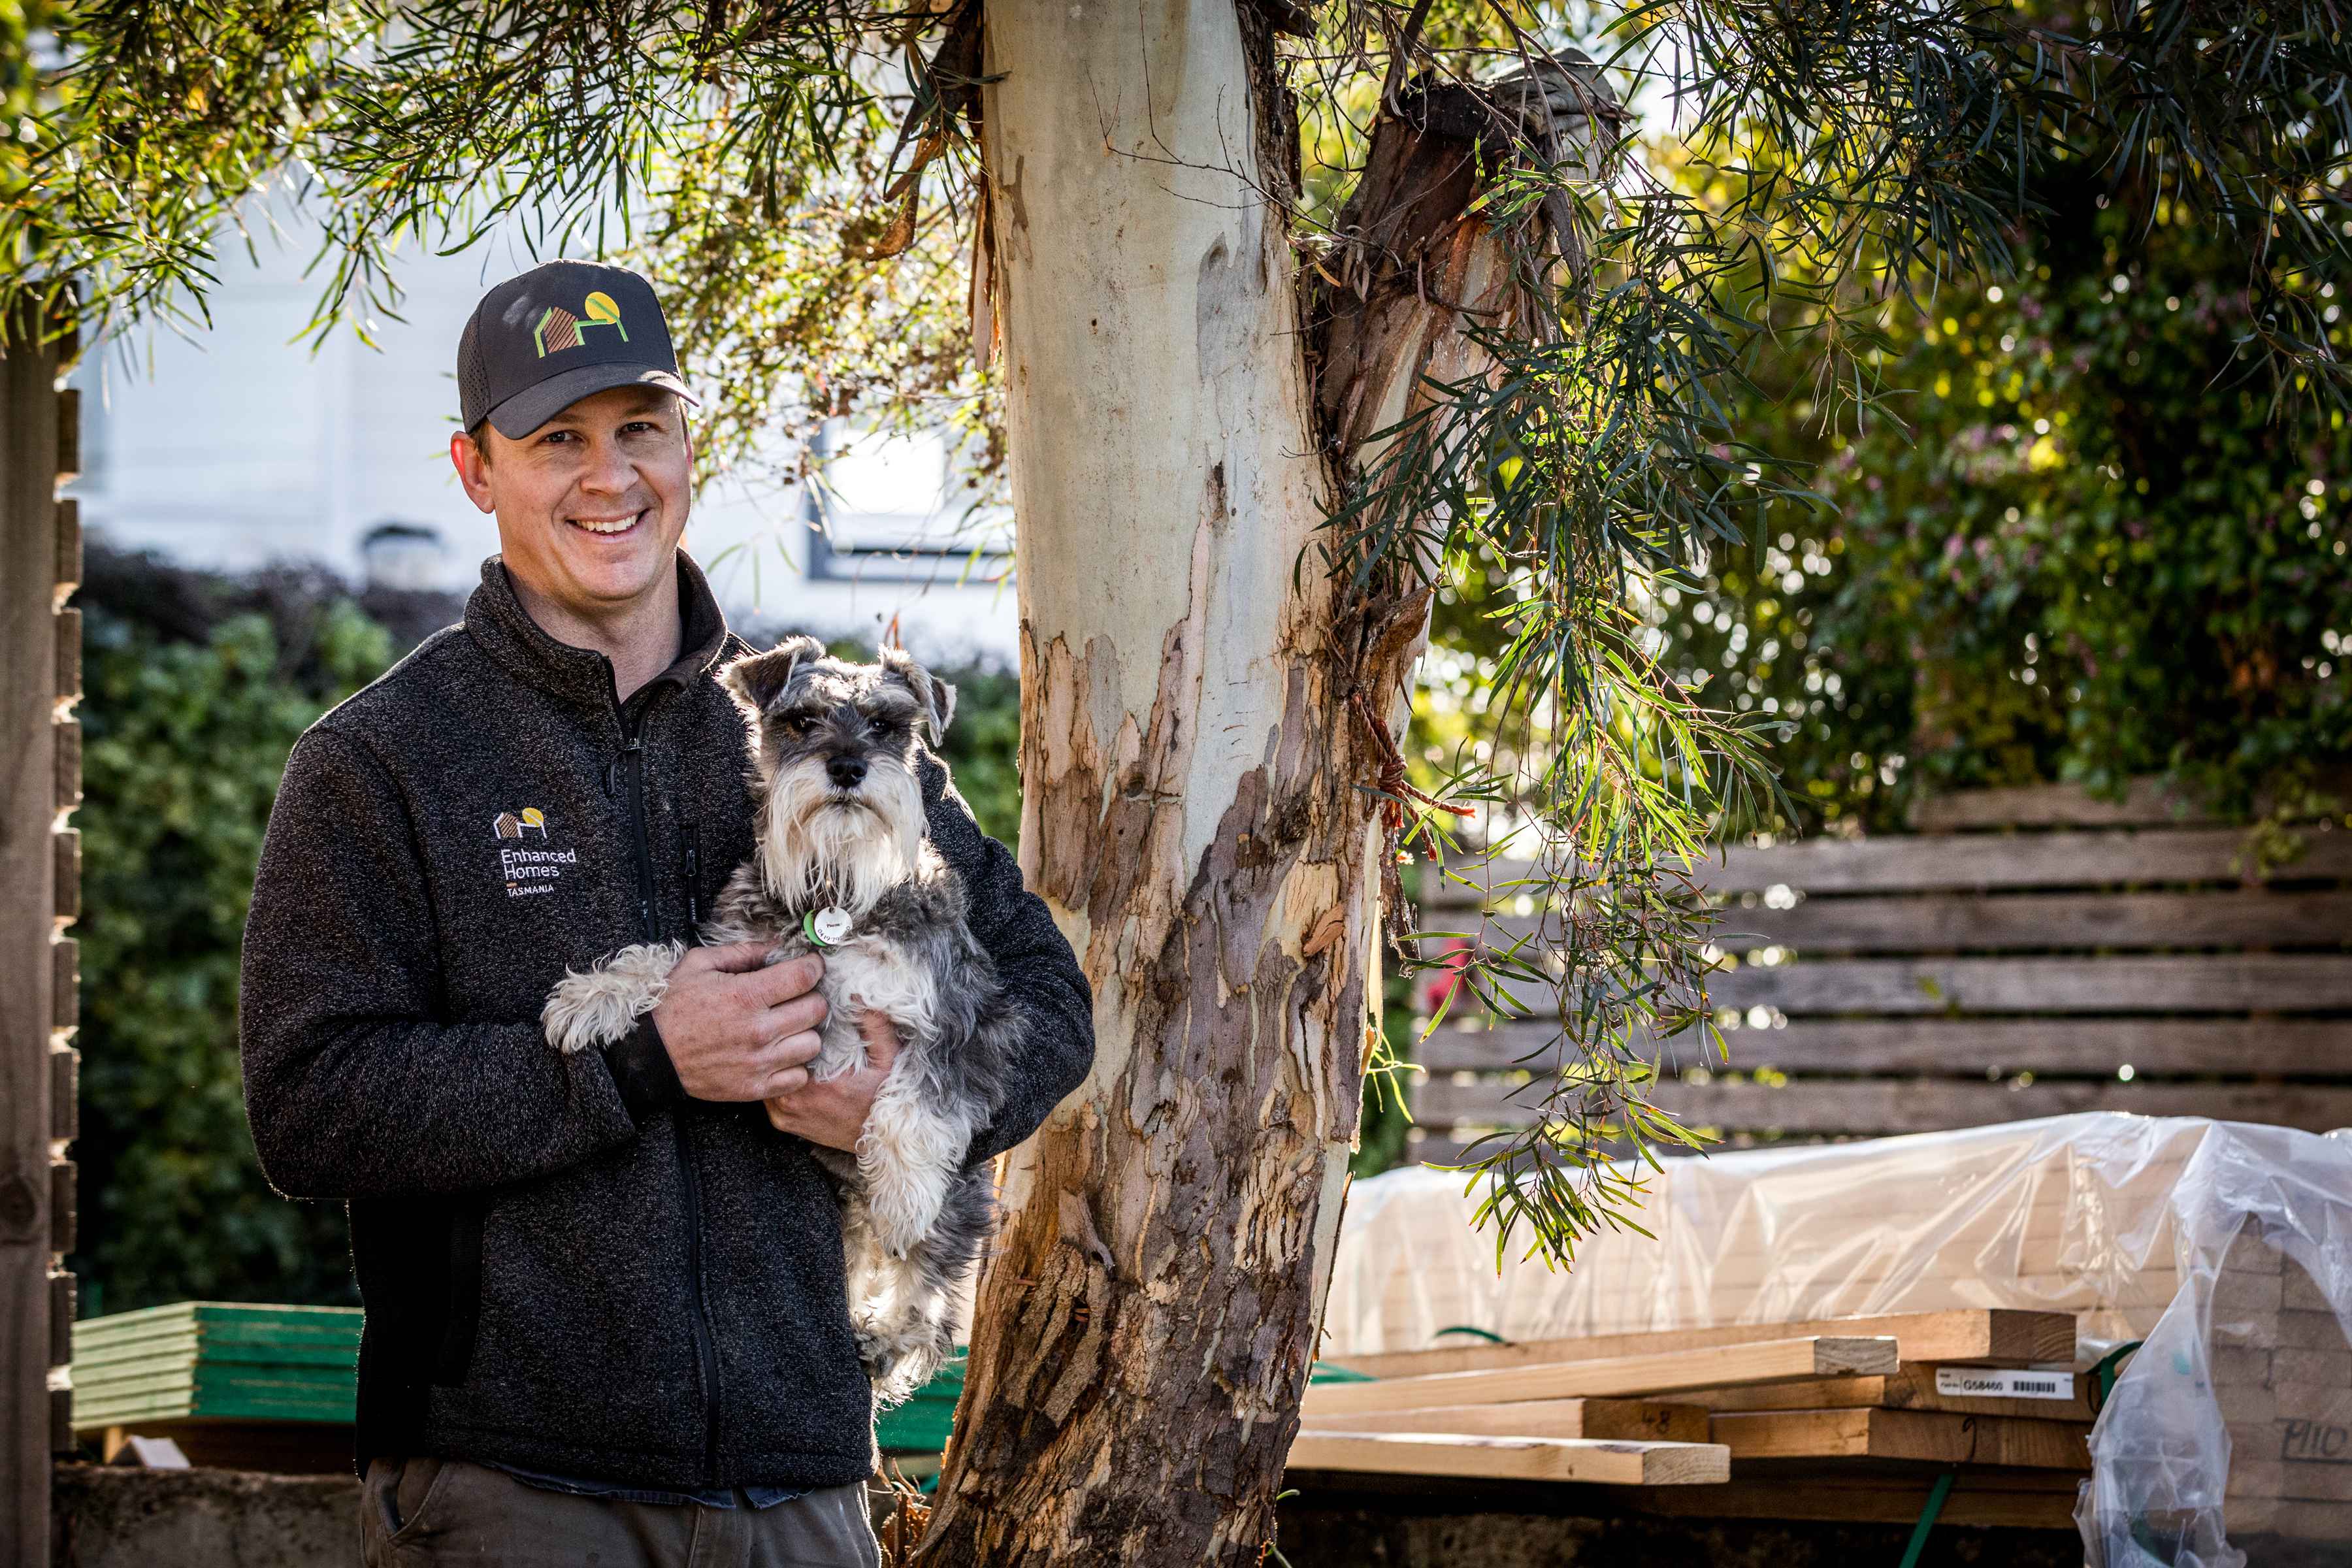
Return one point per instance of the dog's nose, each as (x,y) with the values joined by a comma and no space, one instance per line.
(846,773)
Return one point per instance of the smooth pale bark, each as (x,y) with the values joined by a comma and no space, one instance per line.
(1198,707)
(1145,1327)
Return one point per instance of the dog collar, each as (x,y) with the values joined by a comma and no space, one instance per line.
(825,927)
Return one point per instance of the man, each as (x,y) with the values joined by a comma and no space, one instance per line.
(606,1312)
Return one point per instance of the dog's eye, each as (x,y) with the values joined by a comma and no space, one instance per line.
(795,725)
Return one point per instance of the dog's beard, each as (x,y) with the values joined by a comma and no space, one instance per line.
(814,848)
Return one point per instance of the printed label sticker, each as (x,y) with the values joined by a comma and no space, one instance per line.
(1995,1383)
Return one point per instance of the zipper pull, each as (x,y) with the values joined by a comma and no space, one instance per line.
(692,842)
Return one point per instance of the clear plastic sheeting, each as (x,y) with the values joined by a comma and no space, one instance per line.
(2226,1248)
(2228,1439)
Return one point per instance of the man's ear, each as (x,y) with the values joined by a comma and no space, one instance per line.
(756,678)
(472,463)
(936,696)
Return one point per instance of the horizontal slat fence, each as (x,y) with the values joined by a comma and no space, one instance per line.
(2038,953)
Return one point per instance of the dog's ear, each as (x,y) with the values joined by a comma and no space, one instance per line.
(756,678)
(937,698)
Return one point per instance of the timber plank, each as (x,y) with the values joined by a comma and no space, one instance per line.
(1990,1336)
(64,1113)
(1896,1105)
(1786,1358)
(64,972)
(1618,1420)
(1912,1387)
(35,1194)
(1855,1492)
(1514,1459)
(2084,859)
(2147,803)
(66,769)
(280,1447)
(1934,862)
(2035,922)
(1931,1436)
(1937,1047)
(2201,983)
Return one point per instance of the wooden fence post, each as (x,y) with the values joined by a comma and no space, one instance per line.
(40,783)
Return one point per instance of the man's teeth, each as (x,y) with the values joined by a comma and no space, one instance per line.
(608,525)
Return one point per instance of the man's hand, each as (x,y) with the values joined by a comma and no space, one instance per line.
(833,1113)
(738,1028)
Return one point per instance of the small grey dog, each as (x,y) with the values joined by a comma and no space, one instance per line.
(843,866)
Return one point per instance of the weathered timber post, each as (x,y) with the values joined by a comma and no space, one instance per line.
(40,893)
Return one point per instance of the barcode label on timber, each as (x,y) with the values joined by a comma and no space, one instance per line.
(1985,1383)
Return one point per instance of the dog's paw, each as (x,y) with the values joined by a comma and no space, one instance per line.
(902,1206)
(594,1007)
(897,1365)
(879,1355)
(907,1157)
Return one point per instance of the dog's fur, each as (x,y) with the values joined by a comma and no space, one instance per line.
(913,1219)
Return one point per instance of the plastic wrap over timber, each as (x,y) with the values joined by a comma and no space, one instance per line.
(2225,1248)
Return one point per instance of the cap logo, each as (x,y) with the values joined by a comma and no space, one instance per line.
(559,329)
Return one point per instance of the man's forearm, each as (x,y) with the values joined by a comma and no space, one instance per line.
(347,1109)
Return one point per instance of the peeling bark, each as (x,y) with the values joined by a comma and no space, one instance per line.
(1191,765)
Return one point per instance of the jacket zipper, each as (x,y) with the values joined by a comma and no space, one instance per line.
(703,1348)
(633,766)
(633,781)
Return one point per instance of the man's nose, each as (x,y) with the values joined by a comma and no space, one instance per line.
(846,773)
(609,470)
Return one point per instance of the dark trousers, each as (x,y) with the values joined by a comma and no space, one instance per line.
(425,1512)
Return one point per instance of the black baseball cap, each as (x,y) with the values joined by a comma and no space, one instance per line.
(539,343)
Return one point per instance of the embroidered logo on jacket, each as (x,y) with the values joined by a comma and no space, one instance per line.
(529,871)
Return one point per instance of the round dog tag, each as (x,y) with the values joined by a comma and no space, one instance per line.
(827,926)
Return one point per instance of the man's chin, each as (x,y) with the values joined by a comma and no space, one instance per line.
(613,577)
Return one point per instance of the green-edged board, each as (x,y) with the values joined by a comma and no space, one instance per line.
(215,1361)
(922,1425)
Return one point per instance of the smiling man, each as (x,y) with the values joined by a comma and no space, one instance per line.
(606,1319)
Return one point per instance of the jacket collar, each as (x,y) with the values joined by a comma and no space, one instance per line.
(497,621)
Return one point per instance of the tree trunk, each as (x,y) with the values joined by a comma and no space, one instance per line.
(1198,702)
(1145,1327)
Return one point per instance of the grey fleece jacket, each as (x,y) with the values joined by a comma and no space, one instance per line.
(567,1264)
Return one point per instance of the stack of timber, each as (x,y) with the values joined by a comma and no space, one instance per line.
(2071,1216)
(2280,1369)
(2026,954)
(239,1386)
(1851,1419)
